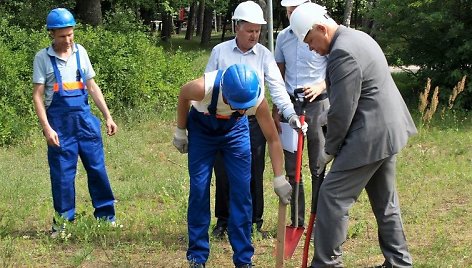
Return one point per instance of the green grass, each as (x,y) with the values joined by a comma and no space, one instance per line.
(150,181)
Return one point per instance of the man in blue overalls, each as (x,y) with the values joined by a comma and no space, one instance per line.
(62,80)
(217,123)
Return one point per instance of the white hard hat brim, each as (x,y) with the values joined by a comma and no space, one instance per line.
(293,3)
(249,20)
(305,16)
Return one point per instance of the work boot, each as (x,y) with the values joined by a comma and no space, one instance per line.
(259,231)
(58,230)
(219,232)
(195,265)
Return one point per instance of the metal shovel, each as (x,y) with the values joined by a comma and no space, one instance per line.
(294,233)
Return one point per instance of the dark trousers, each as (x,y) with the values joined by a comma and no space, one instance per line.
(315,142)
(258,144)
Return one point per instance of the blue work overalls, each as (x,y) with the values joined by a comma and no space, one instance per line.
(208,134)
(79,135)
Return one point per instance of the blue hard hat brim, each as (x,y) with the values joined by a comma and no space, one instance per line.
(54,27)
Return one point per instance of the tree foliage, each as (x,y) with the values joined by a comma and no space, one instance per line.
(433,34)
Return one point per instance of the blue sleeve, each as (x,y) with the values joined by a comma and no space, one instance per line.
(278,54)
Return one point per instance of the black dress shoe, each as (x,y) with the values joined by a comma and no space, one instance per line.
(244,266)
(219,232)
(263,234)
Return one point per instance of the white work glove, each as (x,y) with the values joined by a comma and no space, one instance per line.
(181,140)
(294,122)
(283,189)
(323,160)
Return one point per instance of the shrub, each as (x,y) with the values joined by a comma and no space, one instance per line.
(133,73)
(17,47)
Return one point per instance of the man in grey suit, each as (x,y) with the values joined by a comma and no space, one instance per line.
(368,123)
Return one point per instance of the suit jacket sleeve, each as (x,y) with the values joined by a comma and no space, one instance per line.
(345,78)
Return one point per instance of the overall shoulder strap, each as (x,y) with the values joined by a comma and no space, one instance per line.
(57,74)
(79,68)
(215,93)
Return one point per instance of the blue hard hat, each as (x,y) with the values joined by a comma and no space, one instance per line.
(240,86)
(59,18)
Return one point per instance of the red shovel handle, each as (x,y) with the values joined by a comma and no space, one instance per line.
(306,246)
(298,163)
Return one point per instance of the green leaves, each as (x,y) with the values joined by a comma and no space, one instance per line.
(431,34)
(133,73)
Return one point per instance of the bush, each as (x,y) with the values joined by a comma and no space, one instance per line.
(133,73)
(17,47)
(434,35)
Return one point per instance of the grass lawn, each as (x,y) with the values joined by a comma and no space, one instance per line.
(150,181)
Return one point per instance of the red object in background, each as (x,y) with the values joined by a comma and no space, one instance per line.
(182,14)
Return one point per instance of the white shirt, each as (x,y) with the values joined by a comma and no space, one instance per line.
(302,66)
(262,61)
(221,107)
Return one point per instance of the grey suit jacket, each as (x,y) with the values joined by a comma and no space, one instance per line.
(368,119)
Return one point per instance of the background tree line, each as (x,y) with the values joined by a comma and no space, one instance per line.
(432,34)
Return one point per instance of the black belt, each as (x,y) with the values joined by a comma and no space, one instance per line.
(318,98)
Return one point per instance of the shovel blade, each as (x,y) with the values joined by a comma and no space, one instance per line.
(292,237)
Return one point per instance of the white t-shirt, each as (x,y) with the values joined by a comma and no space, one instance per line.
(221,107)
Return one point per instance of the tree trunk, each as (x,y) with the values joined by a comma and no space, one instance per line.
(356,13)
(264,28)
(227,19)
(207,26)
(191,21)
(219,22)
(167,26)
(89,11)
(200,15)
(371,24)
(348,12)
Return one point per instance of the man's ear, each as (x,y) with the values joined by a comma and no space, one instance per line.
(320,27)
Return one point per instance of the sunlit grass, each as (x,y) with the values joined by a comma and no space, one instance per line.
(150,181)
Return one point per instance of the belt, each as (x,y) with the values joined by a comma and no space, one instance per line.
(318,98)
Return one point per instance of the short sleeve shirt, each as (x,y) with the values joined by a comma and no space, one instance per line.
(302,66)
(43,72)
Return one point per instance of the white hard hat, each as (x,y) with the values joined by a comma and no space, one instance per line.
(293,3)
(250,12)
(305,16)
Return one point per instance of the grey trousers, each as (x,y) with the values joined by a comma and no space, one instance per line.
(338,193)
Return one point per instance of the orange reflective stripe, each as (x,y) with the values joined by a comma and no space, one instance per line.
(69,86)
(223,116)
(219,116)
